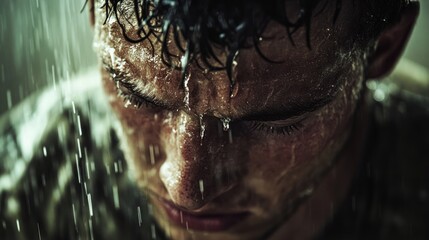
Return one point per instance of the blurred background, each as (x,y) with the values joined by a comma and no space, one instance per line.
(44,41)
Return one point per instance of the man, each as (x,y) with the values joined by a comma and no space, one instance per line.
(232,120)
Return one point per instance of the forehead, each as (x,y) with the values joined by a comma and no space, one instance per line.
(301,74)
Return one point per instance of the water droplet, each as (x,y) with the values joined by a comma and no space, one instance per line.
(9,99)
(91,231)
(152,228)
(115,167)
(79,148)
(77,168)
(150,209)
(185,84)
(116,196)
(225,123)
(202,129)
(74,107)
(234,67)
(74,216)
(44,151)
(127,103)
(379,95)
(234,90)
(91,213)
(152,154)
(307,192)
(201,184)
(139,216)
(18,226)
(184,60)
(88,175)
(38,231)
(79,125)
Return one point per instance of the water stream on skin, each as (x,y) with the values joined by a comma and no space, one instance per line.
(234,90)
(202,128)
(186,86)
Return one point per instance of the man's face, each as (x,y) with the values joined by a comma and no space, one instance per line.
(234,164)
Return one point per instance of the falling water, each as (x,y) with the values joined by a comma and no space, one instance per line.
(201,185)
(152,154)
(41,41)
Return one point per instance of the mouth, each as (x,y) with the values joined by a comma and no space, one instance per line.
(209,222)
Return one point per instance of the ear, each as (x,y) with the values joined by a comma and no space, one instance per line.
(392,41)
(91,12)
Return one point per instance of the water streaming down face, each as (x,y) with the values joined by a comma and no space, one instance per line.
(170,133)
(202,128)
(211,162)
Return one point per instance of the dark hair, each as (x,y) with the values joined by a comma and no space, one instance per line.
(227,24)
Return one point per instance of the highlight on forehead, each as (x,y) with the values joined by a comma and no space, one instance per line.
(198,29)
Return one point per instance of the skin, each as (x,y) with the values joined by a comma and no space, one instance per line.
(273,176)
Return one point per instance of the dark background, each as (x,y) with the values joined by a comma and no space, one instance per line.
(44,41)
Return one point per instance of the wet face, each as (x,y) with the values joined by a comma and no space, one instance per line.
(234,164)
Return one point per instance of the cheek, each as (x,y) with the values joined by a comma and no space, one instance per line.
(306,153)
(141,143)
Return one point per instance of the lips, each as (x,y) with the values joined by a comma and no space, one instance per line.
(200,221)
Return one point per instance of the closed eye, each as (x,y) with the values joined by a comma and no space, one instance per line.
(128,92)
(282,127)
(130,97)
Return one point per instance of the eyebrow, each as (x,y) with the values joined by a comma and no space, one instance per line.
(284,112)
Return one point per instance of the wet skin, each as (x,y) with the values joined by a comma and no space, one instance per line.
(290,124)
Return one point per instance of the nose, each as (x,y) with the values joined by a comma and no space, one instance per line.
(199,166)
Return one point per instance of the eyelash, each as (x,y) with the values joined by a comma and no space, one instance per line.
(280,130)
(138,102)
(135,101)
(130,97)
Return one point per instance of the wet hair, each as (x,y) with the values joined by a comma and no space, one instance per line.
(198,27)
